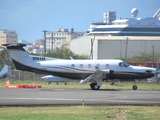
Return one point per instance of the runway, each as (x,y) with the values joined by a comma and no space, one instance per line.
(40,97)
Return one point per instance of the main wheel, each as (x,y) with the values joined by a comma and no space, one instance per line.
(112,83)
(94,86)
(134,87)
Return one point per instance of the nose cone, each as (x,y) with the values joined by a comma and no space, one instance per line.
(145,69)
(145,72)
(151,70)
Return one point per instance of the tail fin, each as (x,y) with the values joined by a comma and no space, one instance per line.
(4,71)
(19,56)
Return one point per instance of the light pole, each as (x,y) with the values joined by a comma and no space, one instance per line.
(91,53)
(52,41)
(126,48)
(44,31)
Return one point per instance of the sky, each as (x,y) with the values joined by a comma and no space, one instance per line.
(30,17)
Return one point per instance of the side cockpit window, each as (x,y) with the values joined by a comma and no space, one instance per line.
(124,64)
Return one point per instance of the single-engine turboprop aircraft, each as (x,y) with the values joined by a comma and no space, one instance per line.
(92,71)
(4,71)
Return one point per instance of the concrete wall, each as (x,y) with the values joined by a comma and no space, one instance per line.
(82,46)
(117,48)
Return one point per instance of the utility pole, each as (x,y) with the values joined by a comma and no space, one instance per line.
(52,41)
(44,41)
(91,53)
(153,53)
(126,48)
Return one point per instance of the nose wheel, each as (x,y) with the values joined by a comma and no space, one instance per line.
(134,86)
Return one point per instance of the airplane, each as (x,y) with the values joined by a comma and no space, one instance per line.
(4,71)
(87,71)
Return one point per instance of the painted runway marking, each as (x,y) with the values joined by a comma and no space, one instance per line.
(87,100)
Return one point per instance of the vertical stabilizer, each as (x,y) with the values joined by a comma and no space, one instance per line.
(19,56)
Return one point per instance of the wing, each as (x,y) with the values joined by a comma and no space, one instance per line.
(98,75)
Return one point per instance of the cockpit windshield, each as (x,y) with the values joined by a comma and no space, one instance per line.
(124,64)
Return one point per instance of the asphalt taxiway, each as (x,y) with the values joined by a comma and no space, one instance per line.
(40,97)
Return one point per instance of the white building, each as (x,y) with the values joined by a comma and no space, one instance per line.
(108,47)
(56,39)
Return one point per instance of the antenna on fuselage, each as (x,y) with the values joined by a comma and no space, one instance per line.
(71,57)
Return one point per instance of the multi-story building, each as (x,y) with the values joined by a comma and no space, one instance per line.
(8,36)
(39,42)
(62,36)
(109,17)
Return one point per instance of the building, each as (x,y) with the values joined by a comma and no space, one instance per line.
(8,36)
(125,37)
(108,47)
(39,42)
(57,38)
(109,17)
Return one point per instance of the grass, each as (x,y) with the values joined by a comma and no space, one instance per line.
(81,113)
(77,85)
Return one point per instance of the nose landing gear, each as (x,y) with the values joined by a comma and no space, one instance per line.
(134,86)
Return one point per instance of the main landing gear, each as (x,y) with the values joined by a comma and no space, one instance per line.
(49,83)
(94,86)
(134,86)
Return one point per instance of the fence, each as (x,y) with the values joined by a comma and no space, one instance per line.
(23,75)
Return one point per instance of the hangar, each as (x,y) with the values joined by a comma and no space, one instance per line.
(109,47)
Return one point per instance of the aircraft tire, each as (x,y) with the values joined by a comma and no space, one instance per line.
(112,83)
(94,86)
(134,87)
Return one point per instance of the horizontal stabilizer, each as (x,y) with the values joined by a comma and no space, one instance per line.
(51,78)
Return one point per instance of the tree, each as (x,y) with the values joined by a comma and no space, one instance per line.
(4,57)
(145,57)
(65,53)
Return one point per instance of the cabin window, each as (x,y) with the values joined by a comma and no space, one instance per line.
(72,66)
(107,65)
(89,65)
(121,64)
(124,64)
(81,66)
